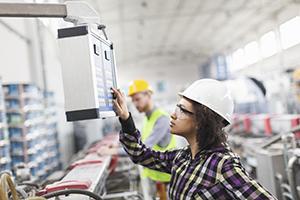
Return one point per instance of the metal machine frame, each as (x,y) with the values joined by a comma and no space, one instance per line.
(74,12)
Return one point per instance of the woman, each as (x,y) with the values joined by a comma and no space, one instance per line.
(207,168)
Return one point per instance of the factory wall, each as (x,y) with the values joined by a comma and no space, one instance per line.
(14,56)
(284,59)
(21,61)
(276,64)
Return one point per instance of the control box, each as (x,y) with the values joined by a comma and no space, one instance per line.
(88,71)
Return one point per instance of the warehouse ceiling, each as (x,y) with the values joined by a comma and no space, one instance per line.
(147,32)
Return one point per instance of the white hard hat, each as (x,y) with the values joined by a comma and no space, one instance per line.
(212,94)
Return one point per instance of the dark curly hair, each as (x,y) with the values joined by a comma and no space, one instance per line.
(209,127)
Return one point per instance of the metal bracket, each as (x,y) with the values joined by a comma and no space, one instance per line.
(76,12)
(81,13)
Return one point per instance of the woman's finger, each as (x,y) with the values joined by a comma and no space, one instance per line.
(117,106)
(120,96)
(116,92)
(123,94)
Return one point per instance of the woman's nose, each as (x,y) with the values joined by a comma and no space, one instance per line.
(173,116)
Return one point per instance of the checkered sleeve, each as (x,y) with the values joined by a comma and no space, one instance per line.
(140,154)
(239,185)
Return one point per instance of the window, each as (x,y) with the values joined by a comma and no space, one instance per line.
(268,44)
(229,62)
(222,67)
(238,60)
(290,32)
(251,53)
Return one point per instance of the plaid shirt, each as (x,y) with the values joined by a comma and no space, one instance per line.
(212,174)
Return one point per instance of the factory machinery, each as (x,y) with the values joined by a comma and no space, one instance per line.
(30,158)
(270,150)
(89,176)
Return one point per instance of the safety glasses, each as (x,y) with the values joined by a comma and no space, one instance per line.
(181,112)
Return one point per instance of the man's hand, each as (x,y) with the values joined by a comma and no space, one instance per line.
(120,106)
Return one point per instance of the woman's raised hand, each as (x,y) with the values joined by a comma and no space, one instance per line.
(120,106)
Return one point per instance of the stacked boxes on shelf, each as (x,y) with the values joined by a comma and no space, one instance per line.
(53,159)
(26,125)
(4,141)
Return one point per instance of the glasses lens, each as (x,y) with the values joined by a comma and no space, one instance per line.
(179,112)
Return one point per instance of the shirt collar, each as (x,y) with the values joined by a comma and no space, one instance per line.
(221,149)
(148,114)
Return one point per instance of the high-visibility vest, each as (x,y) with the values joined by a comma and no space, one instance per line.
(147,130)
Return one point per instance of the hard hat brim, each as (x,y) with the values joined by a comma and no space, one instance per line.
(149,90)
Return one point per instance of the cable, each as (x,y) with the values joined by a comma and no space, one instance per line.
(6,180)
(6,183)
(3,195)
(72,191)
(102,28)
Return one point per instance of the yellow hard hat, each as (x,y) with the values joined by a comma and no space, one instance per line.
(139,86)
